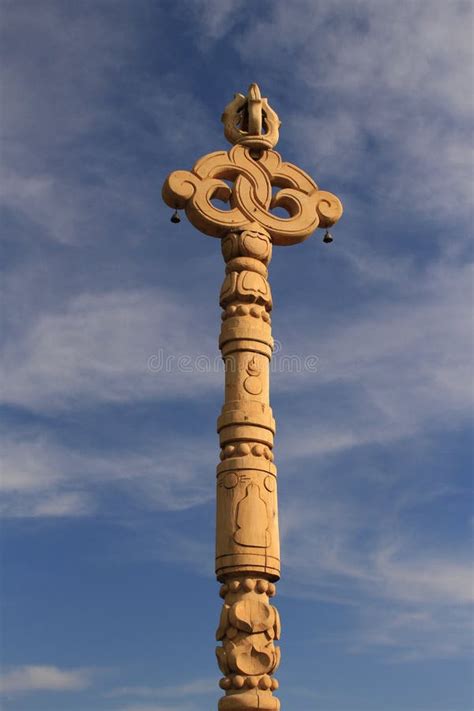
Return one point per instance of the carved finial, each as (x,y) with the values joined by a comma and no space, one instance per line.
(245,177)
(251,121)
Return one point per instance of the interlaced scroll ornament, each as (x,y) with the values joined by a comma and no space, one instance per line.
(251,197)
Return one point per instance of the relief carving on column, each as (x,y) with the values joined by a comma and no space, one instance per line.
(248,628)
(245,294)
(247,516)
(252,383)
(252,525)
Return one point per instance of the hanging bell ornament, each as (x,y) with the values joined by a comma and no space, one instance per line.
(175,218)
(328,238)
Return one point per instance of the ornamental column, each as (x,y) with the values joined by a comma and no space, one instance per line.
(247,539)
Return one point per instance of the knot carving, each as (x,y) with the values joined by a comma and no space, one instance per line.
(251,197)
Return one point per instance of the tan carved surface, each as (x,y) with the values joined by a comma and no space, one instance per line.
(250,198)
(248,628)
(251,121)
(249,182)
(247,540)
(247,511)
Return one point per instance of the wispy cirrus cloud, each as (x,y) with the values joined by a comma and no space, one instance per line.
(376,115)
(35,678)
(192,688)
(69,168)
(403,365)
(216,17)
(43,478)
(382,114)
(410,590)
(97,347)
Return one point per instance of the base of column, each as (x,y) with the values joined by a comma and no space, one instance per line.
(251,700)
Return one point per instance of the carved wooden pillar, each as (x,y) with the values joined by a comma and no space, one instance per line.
(248,546)
(247,541)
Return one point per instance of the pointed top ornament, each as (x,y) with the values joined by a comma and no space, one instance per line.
(251,121)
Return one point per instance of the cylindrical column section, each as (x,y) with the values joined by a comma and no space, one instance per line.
(247,538)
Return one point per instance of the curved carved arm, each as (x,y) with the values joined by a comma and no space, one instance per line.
(250,196)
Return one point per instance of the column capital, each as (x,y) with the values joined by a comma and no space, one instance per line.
(252,180)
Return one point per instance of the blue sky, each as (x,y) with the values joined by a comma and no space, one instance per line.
(108,464)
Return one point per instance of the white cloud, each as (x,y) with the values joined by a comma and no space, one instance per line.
(380,100)
(410,590)
(28,465)
(97,347)
(375,108)
(216,18)
(414,633)
(414,347)
(403,364)
(52,100)
(191,689)
(65,504)
(30,678)
(60,178)
(425,579)
(41,478)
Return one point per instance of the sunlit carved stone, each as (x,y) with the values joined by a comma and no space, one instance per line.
(251,198)
(247,538)
(250,121)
